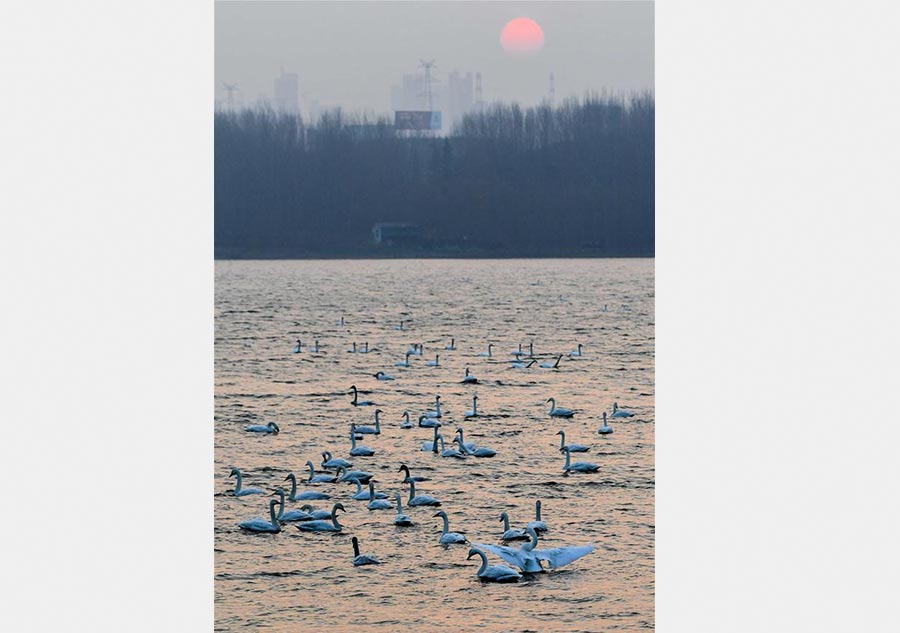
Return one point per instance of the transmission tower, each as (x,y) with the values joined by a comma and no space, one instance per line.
(230,89)
(552,90)
(428,66)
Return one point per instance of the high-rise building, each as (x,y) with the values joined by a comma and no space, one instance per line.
(461,96)
(287,92)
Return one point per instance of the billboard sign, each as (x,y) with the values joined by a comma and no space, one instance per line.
(417,120)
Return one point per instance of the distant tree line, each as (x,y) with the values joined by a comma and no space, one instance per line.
(576,179)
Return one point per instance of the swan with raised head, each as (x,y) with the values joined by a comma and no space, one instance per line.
(399,327)
(365,349)
(559,412)
(478,451)
(352,350)
(366,494)
(621,413)
(271,427)
(429,445)
(329,462)
(371,430)
(323,525)
(420,500)
(354,475)
(405,361)
(576,352)
(469,379)
(356,402)
(408,478)
(318,479)
(378,499)
(578,467)
(487,354)
(528,559)
(575,448)
(473,412)
(448,452)
(538,524)
(362,559)
(436,362)
(452,346)
(298,347)
(530,350)
(517,352)
(306,494)
(553,365)
(380,375)
(468,446)
(406,424)
(261,525)
(520,364)
(437,409)
(605,429)
(401,519)
(315,348)
(358,451)
(511,534)
(291,515)
(448,537)
(238,490)
(493,573)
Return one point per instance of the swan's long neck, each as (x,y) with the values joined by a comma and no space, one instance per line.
(483,561)
(446,523)
(352,440)
(399,504)
(280,505)
(537,511)
(358,487)
(505,518)
(475,405)
(334,517)
(312,471)
(293,479)
(568,457)
(355,548)
(412,489)
(562,440)
(406,416)
(441,438)
(240,479)
(377,413)
(272,516)
(556,364)
(552,405)
(530,545)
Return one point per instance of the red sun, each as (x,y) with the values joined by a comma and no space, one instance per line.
(522,35)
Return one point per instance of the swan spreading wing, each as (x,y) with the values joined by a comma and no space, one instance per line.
(559,556)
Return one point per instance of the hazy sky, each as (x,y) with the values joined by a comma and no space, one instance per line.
(350,53)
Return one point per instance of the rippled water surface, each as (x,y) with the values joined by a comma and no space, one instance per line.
(297,581)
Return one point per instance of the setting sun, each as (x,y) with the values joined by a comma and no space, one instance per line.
(522,35)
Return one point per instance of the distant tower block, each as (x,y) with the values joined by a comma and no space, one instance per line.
(552,89)
(479,100)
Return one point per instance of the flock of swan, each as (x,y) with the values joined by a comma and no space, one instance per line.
(526,558)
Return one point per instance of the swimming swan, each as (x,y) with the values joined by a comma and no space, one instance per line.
(380,375)
(436,362)
(448,537)
(549,365)
(354,475)
(322,525)
(292,515)
(401,519)
(318,479)
(362,559)
(579,467)
(305,495)
(317,515)
(261,525)
(473,412)
(511,534)
(575,448)
(408,478)
(576,352)
(366,495)
(621,413)
(238,490)
(437,409)
(429,445)
(420,500)
(452,346)
(469,379)
(494,573)
(405,362)
(371,430)
(528,559)
(559,412)
(271,427)
(406,424)
(517,352)
(428,423)
(471,449)
(358,451)
(605,429)
(378,499)
(488,352)
(537,525)
(359,403)
(448,452)
(328,462)
(522,364)
(298,347)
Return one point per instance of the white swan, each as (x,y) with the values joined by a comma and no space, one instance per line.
(528,559)
(531,350)
(399,327)
(428,423)
(431,445)
(478,451)
(317,515)
(306,494)
(576,352)
(417,349)
(554,365)
(408,478)
(519,364)
(517,352)
(469,379)
(359,403)
(448,452)
(436,362)
(353,475)
(352,350)
(329,462)
(371,430)
(420,500)
(401,519)
(380,375)
(437,409)
(621,413)
(298,347)
(559,412)
(579,467)
(365,349)
(488,352)
(358,451)
(469,446)
(508,533)
(322,525)
(405,361)
(448,537)
(261,525)
(366,495)
(473,412)
(362,559)
(318,479)
(452,346)
(378,499)
(575,448)
(271,427)
(605,429)
(315,348)
(238,490)
(538,524)
(406,424)
(494,573)
(292,515)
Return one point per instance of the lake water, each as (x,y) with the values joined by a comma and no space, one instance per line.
(298,581)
